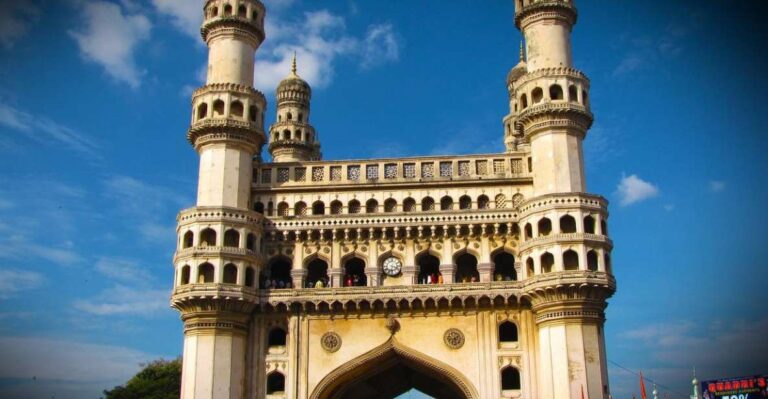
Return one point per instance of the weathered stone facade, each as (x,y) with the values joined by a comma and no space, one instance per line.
(478,276)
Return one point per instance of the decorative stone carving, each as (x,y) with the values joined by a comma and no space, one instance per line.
(393,325)
(330,341)
(453,338)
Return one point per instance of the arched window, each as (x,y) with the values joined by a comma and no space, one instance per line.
(277,274)
(205,273)
(570,260)
(545,227)
(537,95)
(589,225)
(409,205)
(318,208)
(218,108)
(446,203)
(573,95)
(510,379)
(301,117)
(255,15)
(482,202)
(353,206)
(259,207)
(336,207)
(282,209)
(607,259)
(390,205)
(585,98)
(507,332)
(289,116)
(524,101)
(317,274)
(354,273)
(250,275)
(528,231)
(466,269)
(231,238)
(547,262)
(286,134)
(429,269)
(371,206)
(230,274)
(300,209)
(275,383)
(567,224)
(529,267)
(277,337)
(227,10)
(185,271)
(555,92)
(202,111)
(250,242)
(241,12)
(428,204)
(252,113)
(208,238)
(188,239)
(501,201)
(298,135)
(214,11)
(236,109)
(603,228)
(592,260)
(504,267)
(465,202)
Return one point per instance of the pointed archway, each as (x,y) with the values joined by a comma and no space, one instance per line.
(390,370)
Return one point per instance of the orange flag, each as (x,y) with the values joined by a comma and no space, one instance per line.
(642,387)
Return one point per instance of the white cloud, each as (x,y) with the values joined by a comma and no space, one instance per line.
(716,186)
(186,15)
(19,247)
(15,20)
(44,130)
(110,38)
(14,281)
(633,189)
(124,270)
(125,301)
(381,45)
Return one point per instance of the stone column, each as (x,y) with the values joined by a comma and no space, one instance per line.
(486,272)
(448,271)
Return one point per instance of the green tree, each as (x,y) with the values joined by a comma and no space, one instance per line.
(160,379)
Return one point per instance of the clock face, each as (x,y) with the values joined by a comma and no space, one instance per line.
(392,266)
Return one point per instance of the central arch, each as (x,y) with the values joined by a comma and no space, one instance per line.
(390,370)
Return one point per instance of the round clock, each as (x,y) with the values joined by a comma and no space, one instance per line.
(392,266)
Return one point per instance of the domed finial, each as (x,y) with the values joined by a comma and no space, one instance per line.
(522,54)
(293,64)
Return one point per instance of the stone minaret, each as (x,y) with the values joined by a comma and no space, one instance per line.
(292,138)
(219,242)
(549,111)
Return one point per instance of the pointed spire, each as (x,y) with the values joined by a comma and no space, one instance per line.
(293,64)
(522,53)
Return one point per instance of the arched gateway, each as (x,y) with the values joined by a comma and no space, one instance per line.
(391,370)
(480,276)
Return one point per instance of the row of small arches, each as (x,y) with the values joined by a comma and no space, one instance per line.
(208,238)
(567,225)
(289,117)
(570,261)
(228,11)
(287,135)
(390,205)
(555,94)
(206,274)
(236,109)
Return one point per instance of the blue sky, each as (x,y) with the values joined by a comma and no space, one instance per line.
(94,105)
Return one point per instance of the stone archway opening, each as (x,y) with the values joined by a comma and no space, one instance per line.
(390,371)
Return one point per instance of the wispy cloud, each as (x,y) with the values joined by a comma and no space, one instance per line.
(185,15)
(716,186)
(644,52)
(13,281)
(110,37)
(380,46)
(632,189)
(121,300)
(43,130)
(19,247)
(15,19)
(123,270)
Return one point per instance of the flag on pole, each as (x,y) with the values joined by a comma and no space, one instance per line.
(642,387)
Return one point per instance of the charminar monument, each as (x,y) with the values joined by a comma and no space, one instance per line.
(472,277)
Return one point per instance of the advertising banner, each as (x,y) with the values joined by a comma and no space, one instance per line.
(755,387)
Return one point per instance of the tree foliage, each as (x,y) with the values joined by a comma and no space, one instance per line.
(160,379)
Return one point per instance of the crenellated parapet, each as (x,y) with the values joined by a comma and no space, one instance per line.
(242,18)
(530,11)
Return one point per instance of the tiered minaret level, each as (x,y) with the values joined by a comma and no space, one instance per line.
(219,240)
